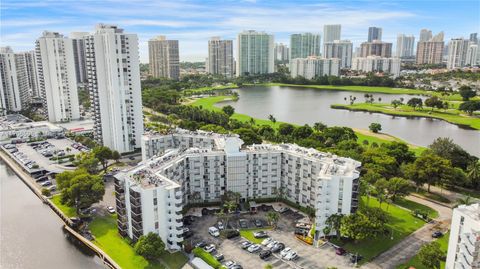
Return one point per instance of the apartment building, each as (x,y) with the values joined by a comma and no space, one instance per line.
(255,53)
(405,46)
(472,54)
(56,77)
(457,53)
(282,53)
(15,93)
(78,43)
(304,45)
(164,58)
(376,48)
(464,242)
(377,64)
(341,49)
(374,33)
(220,57)
(312,67)
(151,196)
(113,74)
(430,51)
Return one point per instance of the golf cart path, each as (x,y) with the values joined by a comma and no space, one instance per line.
(409,246)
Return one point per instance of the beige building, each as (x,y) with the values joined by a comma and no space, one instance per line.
(220,57)
(431,51)
(376,48)
(163,58)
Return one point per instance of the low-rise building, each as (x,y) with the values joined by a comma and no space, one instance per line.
(20,128)
(464,242)
(313,66)
(377,64)
(199,167)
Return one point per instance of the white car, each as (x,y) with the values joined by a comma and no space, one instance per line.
(285,251)
(266,241)
(254,248)
(210,248)
(230,264)
(111,210)
(213,232)
(292,255)
(220,225)
(271,244)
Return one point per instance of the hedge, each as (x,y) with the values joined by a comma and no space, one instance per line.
(207,257)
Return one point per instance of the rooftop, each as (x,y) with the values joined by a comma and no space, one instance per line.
(472,211)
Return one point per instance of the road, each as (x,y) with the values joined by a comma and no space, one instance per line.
(409,247)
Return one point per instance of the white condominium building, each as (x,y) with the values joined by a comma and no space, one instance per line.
(331,32)
(377,64)
(312,67)
(56,77)
(341,49)
(425,35)
(197,167)
(163,55)
(281,52)
(15,92)
(405,46)
(79,56)
(220,57)
(472,54)
(114,83)
(457,53)
(32,77)
(254,53)
(464,242)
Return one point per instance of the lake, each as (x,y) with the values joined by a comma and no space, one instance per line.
(307,106)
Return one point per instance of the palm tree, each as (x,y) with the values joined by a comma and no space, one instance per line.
(280,193)
(272,218)
(230,206)
(334,222)
(466,200)
(252,121)
(272,119)
(473,174)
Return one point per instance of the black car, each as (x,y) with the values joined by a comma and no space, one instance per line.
(355,258)
(201,244)
(264,254)
(278,247)
(229,234)
(437,234)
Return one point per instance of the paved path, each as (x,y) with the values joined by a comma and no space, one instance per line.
(409,247)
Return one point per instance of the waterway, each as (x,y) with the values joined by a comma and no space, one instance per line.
(31,234)
(308,105)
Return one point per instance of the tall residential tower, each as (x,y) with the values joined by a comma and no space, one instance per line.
(304,45)
(164,58)
(254,53)
(405,46)
(374,33)
(14,87)
(220,57)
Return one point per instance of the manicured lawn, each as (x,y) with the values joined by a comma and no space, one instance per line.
(209,103)
(453,116)
(207,257)
(415,261)
(248,234)
(400,224)
(67,210)
(432,213)
(175,260)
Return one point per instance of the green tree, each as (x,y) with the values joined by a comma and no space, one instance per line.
(431,255)
(473,174)
(375,127)
(286,129)
(434,102)
(115,156)
(318,126)
(272,119)
(467,92)
(446,148)
(229,110)
(103,154)
(248,136)
(46,192)
(302,132)
(470,107)
(80,189)
(465,200)
(273,218)
(396,103)
(415,103)
(397,187)
(150,246)
(334,222)
(429,168)
(88,162)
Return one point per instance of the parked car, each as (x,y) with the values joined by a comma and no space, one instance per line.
(236,266)
(437,234)
(260,234)
(52,188)
(272,244)
(200,244)
(285,251)
(245,245)
(46,183)
(111,210)
(258,223)
(213,232)
(230,264)
(210,248)
(220,225)
(292,255)
(340,251)
(283,210)
(355,258)
(254,248)
(265,254)
(219,257)
(243,223)
(278,247)
(266,241)
(231,234)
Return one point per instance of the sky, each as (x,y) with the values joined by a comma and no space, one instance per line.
(194,22)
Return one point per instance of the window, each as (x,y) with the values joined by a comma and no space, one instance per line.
(154,201)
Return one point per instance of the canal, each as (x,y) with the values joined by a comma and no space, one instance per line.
(31,234)
(307,105)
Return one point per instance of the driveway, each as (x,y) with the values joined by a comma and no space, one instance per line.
(409,247)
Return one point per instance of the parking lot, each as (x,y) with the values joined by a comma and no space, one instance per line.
(308,256)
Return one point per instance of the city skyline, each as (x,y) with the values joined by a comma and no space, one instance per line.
(193,24)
